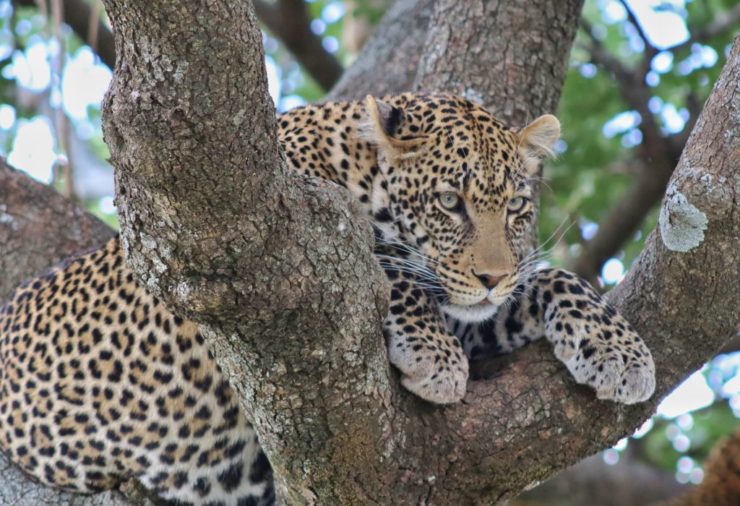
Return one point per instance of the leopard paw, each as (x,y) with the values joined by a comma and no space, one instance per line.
(434,373)
(446,386)
(622,375)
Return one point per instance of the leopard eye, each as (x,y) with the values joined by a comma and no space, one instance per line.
(449,200)
(516,204)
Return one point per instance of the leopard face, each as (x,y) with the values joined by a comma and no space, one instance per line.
(458,191)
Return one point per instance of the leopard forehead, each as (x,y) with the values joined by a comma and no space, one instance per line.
(465,149)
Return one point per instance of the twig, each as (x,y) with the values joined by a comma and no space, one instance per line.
(63,162)
(650,50)
(93,26)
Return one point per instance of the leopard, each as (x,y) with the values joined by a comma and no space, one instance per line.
(100,383)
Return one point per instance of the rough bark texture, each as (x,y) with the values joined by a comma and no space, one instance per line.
(282,276)
(498,54)
(39,227)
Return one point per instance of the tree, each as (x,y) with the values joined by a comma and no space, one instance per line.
(170,126)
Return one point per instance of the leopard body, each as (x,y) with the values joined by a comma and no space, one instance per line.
(100,383)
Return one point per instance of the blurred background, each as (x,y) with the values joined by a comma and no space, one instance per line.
(639,73)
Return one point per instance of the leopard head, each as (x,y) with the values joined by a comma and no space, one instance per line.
(457,191)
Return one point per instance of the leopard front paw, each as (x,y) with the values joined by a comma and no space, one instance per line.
(437,373)
(620,373)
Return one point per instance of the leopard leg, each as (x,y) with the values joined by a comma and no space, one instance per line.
(429,357)
(599,347)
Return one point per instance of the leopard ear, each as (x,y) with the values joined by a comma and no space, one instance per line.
(537,141)
(382,126)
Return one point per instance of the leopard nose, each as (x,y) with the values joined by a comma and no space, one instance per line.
(489,281)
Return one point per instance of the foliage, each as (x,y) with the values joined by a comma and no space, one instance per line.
(591,173)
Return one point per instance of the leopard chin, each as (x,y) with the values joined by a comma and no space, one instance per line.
(473,313)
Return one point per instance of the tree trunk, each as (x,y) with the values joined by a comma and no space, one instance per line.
(280,273)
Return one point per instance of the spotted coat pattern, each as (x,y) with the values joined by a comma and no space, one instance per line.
(100,383)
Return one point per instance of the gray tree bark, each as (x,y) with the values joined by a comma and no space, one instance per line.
(499,54)
(38,228)
(215,225)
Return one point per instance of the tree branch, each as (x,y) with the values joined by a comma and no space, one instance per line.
(290,22)
(39,227)
(650,50)
(308,361)
(480,63)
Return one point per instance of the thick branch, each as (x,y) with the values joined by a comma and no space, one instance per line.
(39,227)
(77,16)
(290,21)
(308,361)
(480,62)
